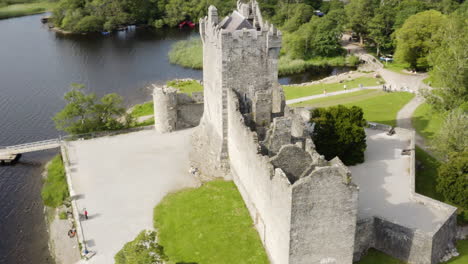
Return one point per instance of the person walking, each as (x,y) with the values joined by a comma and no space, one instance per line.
(86,214)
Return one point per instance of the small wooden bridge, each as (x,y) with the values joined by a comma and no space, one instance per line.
(12,154)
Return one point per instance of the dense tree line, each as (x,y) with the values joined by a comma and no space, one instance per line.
(99,15)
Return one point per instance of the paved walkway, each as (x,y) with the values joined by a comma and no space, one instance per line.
(120,179)
(385,184)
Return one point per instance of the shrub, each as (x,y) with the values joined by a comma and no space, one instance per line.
(63,215)
(55,189)
(143,250)
(352,60)
(452,180)
(339,131)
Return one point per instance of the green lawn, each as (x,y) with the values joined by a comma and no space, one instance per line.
(377,257)
(208,225)
(17,10)
(426,121)
(55,188)
(292,92)
(187,87)
(396,67)
(378,106)
(143,109)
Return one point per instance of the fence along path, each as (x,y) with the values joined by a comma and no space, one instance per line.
(56,142)
(30,147)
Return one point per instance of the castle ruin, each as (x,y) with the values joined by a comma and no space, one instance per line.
(304,208)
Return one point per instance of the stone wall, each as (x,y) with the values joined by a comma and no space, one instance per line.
(323,218)
(401,242)
(365,237)
(266,191)
(443,239)
(174,110)
(316,210)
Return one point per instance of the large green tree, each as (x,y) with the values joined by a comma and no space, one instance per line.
(381,27)
(360,13)
(339,132)
(449,63)
(415,39)
(452,181)
(453,134)
(84,113)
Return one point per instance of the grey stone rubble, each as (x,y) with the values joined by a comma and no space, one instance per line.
(305,209)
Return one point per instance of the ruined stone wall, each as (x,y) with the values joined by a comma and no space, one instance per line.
(323,218)
(443,238)
(173,110)
(365,237)
(412,246)
(266,192)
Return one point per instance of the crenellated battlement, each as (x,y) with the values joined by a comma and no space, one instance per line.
(244,24)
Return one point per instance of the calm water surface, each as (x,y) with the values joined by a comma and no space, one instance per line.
(36,69)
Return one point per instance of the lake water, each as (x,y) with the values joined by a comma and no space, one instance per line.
(37,67)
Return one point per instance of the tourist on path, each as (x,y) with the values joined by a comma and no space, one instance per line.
(86,214)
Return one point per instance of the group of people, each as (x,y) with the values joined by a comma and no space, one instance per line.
(72,231)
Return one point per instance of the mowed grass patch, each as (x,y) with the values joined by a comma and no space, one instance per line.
(378,106)
(396,67)
(188,86)
(55,188)
(293,92)
(17,10)
(143,109)
(426,121)
(208,225)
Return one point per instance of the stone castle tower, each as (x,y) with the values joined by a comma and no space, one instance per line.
(240,53)
(303,207)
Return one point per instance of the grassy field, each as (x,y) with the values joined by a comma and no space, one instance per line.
(292,92)
(25,9)
(187,53)
(426,121)
(209,224)
(378,106)
(55,188)
(396,67)
(187,87)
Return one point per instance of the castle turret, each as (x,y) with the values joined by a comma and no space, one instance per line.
(165,109)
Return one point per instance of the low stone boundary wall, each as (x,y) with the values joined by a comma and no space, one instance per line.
(76,214)
(407,244)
